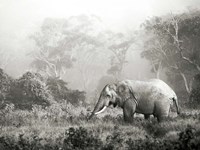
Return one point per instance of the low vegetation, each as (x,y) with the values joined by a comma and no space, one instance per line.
(57,128)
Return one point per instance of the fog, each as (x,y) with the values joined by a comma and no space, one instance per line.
(21,18)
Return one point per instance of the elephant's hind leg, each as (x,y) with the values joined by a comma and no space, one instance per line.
(161,118)
(162,110)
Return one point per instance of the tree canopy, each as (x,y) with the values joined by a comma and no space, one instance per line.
(172,44)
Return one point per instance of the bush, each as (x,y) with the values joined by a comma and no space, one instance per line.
(28,90)
(58,88)
(59,91)
(33,89)
(187,140)
(195,90)
(81,138)
(114,141)
(76,97)
(23,143)
(5,85)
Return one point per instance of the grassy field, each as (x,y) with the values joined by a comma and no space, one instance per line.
(66,127)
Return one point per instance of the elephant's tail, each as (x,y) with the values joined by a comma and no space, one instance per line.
(175,99)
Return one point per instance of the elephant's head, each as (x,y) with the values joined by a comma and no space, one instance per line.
(114,94)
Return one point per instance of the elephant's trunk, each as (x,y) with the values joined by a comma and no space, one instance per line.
(99,108)
(176,103)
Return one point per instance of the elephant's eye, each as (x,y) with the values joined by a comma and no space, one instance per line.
(108,96)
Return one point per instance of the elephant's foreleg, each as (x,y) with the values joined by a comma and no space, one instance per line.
(129,110)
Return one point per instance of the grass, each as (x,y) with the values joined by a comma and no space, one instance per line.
(44,127)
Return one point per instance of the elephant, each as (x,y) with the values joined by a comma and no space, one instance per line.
(151,97)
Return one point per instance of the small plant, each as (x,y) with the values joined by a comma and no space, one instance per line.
(80,138)
(156,130)
(187,139)
(115,140)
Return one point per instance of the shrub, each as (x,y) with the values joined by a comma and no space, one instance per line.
(30,89)
(114,141)
(76,97)
(59,91)
(156,130)
(5,114)
(195,90)
(57,87)
(24,143)
(80,138)
(187,140)
(5,85)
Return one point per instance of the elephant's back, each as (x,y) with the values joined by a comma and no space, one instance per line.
(151,88)
(162,87)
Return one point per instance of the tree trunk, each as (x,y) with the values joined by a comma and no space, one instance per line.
(158,71)
(185,82)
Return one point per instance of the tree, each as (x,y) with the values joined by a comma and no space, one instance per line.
(5,85)
(51,56)
(172,44)
(119,46)
(63,43)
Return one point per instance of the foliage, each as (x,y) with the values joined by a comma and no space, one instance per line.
(33,89)
(63,126)
(5,85)
(28,90)
(58,42)
(33,142)
(194,98)
(114,141)
(119,47)
(60,92)
(48,57)
(58,88)
(187,140)
(81,138)
(76,97)
(172,44)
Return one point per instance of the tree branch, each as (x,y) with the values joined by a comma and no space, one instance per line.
(177,43)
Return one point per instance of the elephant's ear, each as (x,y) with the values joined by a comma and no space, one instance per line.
(125,91)
(121,89)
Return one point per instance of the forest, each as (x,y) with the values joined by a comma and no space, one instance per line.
(39,110)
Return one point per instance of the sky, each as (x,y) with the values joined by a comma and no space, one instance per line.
(116,13)
(20,18)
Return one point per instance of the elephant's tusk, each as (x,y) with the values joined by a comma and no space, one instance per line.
(101,110)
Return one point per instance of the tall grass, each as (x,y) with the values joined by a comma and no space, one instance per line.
(61,126)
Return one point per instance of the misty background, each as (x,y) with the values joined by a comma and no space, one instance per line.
(28,26)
